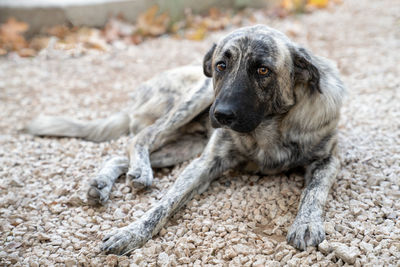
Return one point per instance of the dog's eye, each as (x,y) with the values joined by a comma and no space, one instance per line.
(221,66)
(262,71)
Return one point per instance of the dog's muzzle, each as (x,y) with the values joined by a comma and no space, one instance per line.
(234,114)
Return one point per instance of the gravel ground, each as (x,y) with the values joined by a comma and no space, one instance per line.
(241,220)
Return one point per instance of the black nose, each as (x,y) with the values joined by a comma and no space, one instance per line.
(224,115)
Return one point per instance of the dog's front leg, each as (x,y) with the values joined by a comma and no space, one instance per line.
(308,228)
(156,135)
(194,179)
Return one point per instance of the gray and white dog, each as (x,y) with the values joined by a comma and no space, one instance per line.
(265,101)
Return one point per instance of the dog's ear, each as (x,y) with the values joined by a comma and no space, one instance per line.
(207,61)
(305,70)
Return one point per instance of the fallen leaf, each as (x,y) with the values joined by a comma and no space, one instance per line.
(178,26)
(151,24)
(111,31)
(11,35)
(196,26)
(196,34)
(91,38)
(59,31)
(293,5)
(117,28)
(318,3)
(27,52)
(39,43)
(14,26)
(214,13)
(136,39)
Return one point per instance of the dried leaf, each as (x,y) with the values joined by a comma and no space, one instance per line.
(302,5)
(111,31)
(13,26)
(39,43)
(198,26)
(318,3)
(178,26)
(196,34)
(151,24)
(136,39)
(293,5)
(59,31)
(216,24)
(91,38)
(27,52)
(11,35)
(214,13)
(96,44)
(116,29)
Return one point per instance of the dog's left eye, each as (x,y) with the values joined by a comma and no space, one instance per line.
(262,71)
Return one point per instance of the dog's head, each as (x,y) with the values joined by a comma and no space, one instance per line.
(255,72)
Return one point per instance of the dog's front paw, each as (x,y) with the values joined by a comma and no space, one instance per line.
(124,240)
(304,234)
(141,175)
(99,190)
(140,171)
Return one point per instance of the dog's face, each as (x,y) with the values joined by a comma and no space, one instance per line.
(255,71)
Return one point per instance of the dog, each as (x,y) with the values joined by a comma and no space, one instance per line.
(264,101)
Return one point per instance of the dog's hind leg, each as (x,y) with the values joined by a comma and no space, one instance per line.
(308,228)
(100,187)
(151,138)
(186,148)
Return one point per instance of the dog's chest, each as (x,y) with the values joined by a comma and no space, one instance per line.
(266,150)
(272,159)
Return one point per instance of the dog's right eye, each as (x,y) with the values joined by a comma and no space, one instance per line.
(221,66)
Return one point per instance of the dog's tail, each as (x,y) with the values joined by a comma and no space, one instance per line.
(98,130)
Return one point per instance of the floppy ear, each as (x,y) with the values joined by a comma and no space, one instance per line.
(305,71)
(207,61)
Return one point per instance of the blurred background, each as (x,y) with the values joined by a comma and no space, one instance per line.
(27,26)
